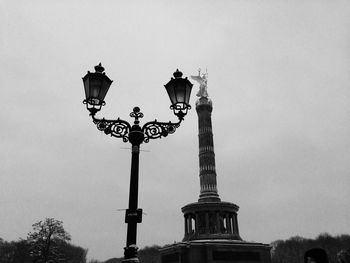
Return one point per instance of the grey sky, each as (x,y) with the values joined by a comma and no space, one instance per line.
(279,81)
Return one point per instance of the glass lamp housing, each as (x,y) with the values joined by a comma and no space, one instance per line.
(96,86)
(179,91)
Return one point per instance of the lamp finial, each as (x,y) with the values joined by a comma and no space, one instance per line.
(177,74)
(99,68)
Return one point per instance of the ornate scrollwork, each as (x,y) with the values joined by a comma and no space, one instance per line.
(155,129)
(136,114)
(122,129)
(116,128)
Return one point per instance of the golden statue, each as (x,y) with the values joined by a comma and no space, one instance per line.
(202,79)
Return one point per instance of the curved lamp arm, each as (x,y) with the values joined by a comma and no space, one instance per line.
(116,128)
(150,130)
(155,129)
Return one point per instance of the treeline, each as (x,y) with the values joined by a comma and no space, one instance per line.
(20,252)
(283,251)
(292,250)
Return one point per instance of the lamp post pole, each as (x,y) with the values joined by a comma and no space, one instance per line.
(133,195)
(133,215)
(96,86)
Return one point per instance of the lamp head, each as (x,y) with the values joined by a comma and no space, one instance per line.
(179,91)
(96,86)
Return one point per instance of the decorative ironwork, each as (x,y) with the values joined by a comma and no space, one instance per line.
(116,128)
(155,129)
(121,129)
(136,114)
(180,110)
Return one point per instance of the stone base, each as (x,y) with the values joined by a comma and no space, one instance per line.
(216,251)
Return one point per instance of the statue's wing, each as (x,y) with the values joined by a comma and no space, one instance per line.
(197,78)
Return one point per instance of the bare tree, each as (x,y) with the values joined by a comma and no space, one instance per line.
(45,241)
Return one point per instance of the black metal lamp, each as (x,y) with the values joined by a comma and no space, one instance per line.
(179,91)
(96,86)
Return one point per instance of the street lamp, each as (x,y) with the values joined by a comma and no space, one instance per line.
(96,86)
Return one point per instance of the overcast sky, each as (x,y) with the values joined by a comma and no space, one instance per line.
(279,81)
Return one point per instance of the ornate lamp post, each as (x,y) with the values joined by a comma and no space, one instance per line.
(96,86)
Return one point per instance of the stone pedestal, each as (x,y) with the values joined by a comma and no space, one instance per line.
(216,251)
